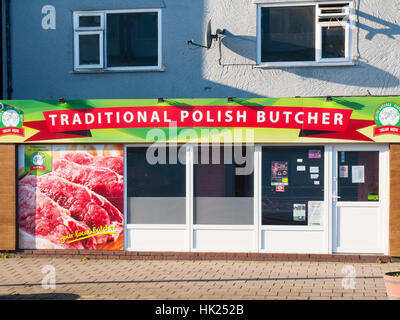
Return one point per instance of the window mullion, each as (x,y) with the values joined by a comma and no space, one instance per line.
(318,36)
(105,60)
(101,48)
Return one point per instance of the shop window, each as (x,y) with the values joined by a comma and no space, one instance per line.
(117,40)
(292,185)
(156,193)
(304,34)
(358,176)
(222,196)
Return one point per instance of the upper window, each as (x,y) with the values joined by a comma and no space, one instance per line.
(117,40)
(304,34)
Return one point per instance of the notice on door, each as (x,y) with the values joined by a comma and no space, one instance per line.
(315,213)
(357,174)
(343,171)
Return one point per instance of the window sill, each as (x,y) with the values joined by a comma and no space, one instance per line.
(133,70)
(304,65)
(292,228)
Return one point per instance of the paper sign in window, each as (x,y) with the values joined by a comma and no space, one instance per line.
(343,171)
(373,197)
(299,212)
(279,173)
(314,154)
(314,169)
(315,213)
(357,174)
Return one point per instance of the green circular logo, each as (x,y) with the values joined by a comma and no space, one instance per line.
(388,114)
(11,117)
(38,159)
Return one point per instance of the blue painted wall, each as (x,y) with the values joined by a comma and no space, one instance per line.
(42,60)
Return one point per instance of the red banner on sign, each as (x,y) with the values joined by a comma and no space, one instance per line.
(37,167)
(198,116)
(386,130)
(322,122)
(12,130)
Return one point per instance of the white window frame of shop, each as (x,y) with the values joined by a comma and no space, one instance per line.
(290,239)
(382,206)
(189,236)
(319,61)
(159,237)
(101,31)
(298,239)
(225,238)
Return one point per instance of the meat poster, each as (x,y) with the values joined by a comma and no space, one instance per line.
(76,205)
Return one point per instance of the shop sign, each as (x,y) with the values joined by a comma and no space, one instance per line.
(11,120)
(286,120)
(387,118)
(38,159)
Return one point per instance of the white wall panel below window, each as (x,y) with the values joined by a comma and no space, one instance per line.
(296,241)
(224,240)
(157,240)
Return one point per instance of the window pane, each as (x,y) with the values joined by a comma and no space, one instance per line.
(220,195)
(292,182)
(89,49)
(156,193)
(132,39)
(333,39)
(288,34)
(358,176)
(89,21)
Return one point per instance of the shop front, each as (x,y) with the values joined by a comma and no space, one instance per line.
(297,199)
(301,175)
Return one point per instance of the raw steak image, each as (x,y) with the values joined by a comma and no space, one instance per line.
(43,222)
(83,204)
(113,163)
(78,203)
(103,181)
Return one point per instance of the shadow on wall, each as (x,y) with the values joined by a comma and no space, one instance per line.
(242,45)
(390,29)
(366,75)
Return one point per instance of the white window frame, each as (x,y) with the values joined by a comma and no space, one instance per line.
(103,41)
(76,50)
(319,61)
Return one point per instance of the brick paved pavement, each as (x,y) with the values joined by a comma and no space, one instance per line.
(184,279)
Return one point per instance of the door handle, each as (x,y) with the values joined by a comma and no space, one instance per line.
(336,197)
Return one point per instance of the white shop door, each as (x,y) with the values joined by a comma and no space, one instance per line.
(359,199)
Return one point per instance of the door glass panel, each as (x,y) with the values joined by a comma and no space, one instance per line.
(221,196)
(358,175)
(156,192)
(292,185)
